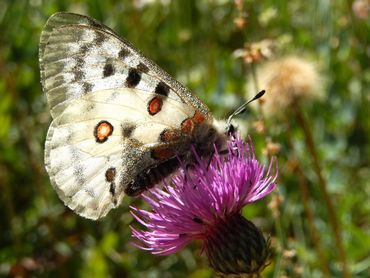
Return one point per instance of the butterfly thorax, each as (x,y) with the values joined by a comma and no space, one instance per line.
(208,137)
(203,140)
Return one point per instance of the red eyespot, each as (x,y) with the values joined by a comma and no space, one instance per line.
(170,135)
(163,152)
(198,117)
(155,105)
(102,131)
(187,126)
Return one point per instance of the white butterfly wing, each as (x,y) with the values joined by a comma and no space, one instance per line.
(112,110)
(78,164)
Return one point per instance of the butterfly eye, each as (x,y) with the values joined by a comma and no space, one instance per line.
(230,129)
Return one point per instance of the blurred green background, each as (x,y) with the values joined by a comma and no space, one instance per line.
(194,41)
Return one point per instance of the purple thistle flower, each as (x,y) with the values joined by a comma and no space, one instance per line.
(205,203)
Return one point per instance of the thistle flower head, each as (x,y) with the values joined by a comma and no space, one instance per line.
(205,202)
(361,8)
(286,81)
(255,52)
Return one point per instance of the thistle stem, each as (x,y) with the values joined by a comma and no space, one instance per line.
(279,232)
(303,187)
(337,230)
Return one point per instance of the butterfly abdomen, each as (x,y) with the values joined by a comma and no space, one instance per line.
(152,176)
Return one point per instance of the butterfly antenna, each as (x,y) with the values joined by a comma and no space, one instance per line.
(242,108)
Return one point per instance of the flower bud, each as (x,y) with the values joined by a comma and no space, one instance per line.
(236,246)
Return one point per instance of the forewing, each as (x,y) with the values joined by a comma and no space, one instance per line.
(78,55)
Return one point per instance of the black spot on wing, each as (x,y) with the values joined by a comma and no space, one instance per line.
(79,62)
(87,87)
(89,192)
(123,53)
(78,75)
(108,70)
(110,174)
(133,78)
(84,49)
(90,107)
(135,143)
(143,68)
(99,39)
(162,89)
(77,70)
(78,173)
(112,190)
(127,129)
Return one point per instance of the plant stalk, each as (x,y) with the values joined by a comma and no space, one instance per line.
(333,219)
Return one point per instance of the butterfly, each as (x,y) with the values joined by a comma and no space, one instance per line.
(119,122)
